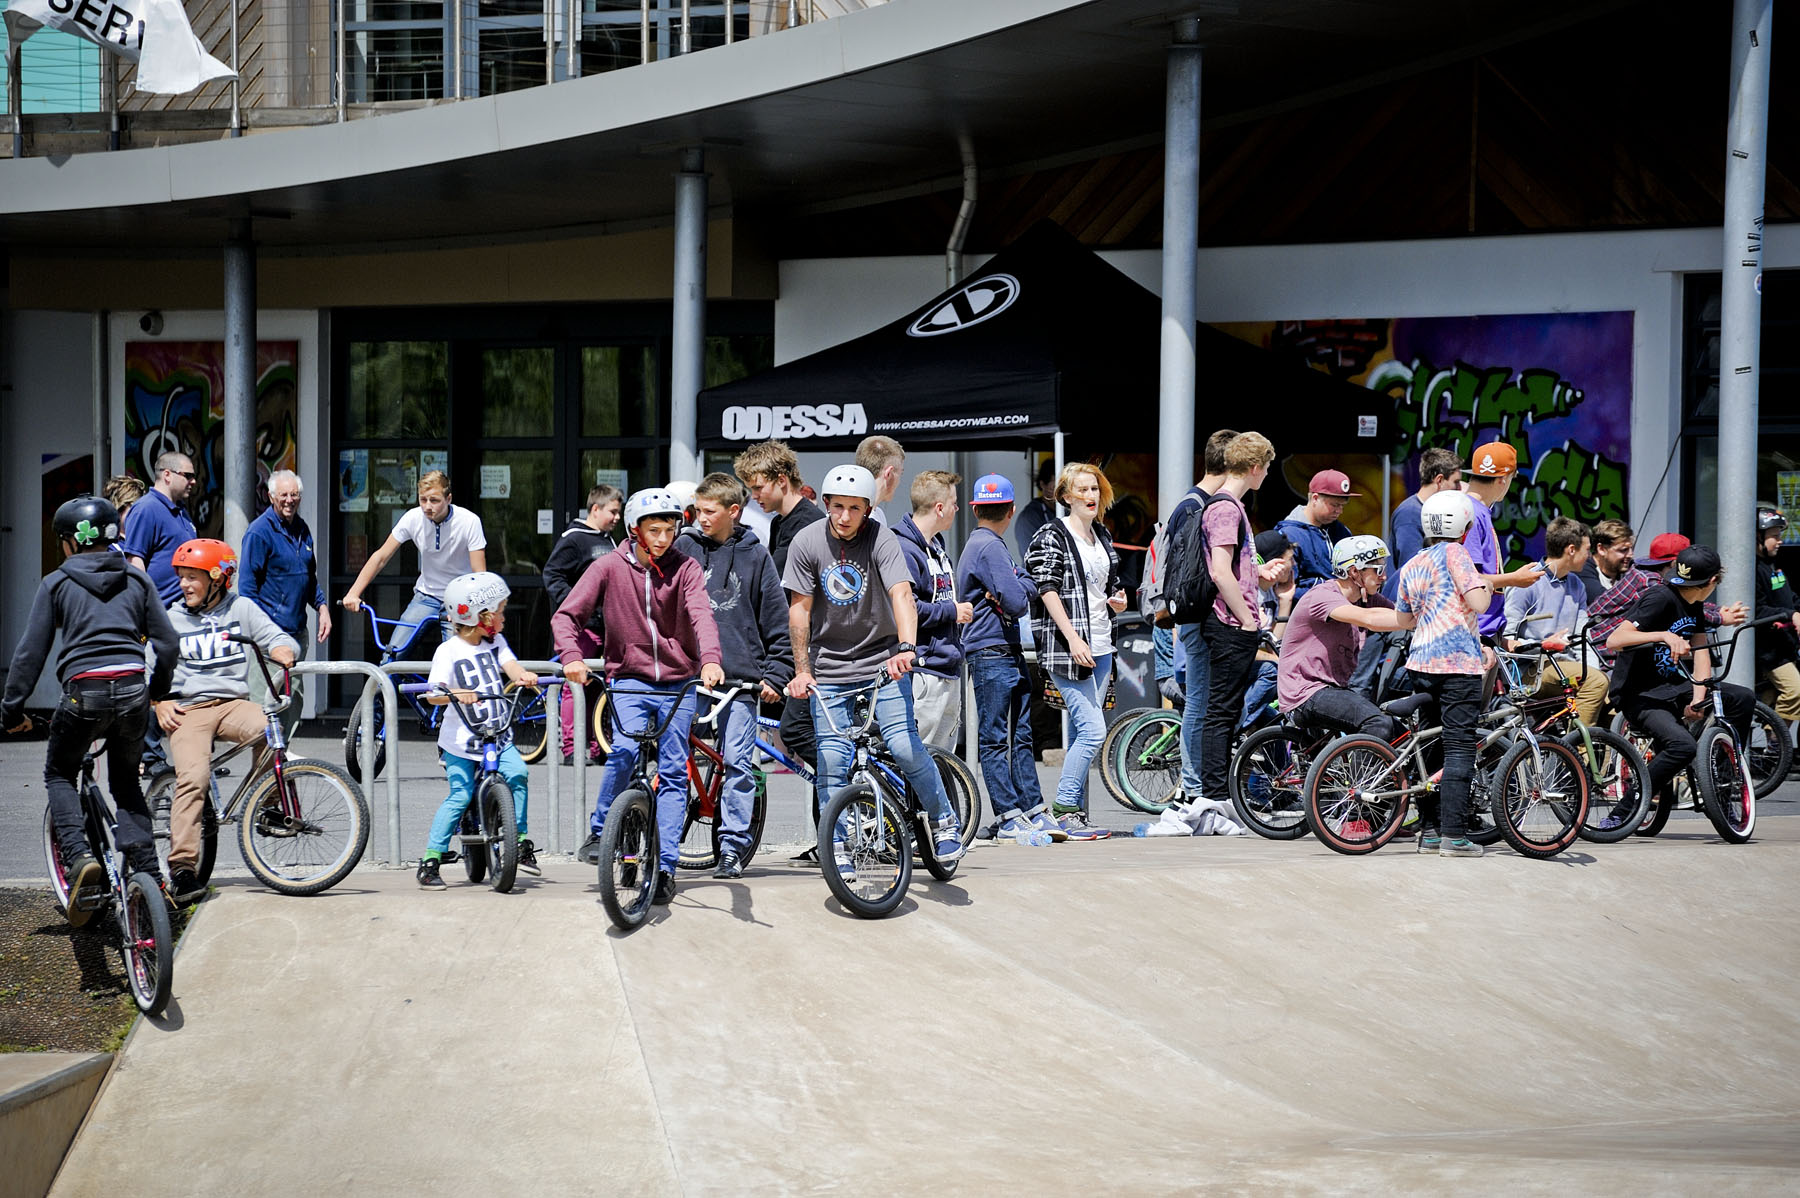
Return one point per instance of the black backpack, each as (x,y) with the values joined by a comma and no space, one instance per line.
(1188,586)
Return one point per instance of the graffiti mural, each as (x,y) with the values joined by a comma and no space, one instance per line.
(1554,386)
(175,400)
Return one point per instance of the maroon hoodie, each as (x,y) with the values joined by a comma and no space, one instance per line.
(659,622)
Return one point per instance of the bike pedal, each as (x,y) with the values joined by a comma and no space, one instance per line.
(450,857)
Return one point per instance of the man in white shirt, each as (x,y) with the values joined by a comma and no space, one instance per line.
(451,543)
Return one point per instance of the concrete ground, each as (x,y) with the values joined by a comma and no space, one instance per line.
(1123,1016)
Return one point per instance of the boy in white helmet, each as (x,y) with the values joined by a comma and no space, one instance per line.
(475,661)
(851,614)
(660,632)
(1324,638)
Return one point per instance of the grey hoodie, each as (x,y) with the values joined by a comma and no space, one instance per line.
(212,664)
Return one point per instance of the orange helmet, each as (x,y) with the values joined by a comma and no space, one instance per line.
(218,559)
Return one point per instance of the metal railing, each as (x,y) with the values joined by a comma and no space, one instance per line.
(378,683)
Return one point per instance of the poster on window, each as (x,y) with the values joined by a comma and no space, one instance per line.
(395,479)
(353,480)
(1787,498)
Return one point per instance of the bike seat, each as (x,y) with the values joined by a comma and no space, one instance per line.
(1406,705)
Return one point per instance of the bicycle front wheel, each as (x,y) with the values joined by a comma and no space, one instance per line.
(532,725)
(865,852)
(1540,798)
(53,863)
(1356,793)
(147,944)
(628,859)
(500,822)
(304,832)
(1268,782)
(1140,760)
(1619,784)
(159,796)
(1726,791)
(1770,753)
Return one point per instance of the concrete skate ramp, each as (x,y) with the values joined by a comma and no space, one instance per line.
(1124,1016)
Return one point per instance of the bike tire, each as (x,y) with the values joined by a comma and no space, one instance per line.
(353,739)
(597,724)
(629,853)
(316,841)
(54,866)
(1770,753)
(963,790)
(147,944)
(926,846)
(1619,784)
(470,847)
(878,852)
(1344,820)
(501,821)
(1268,782)
(1661,807)
(1727,793)
(159,796)
(1136,778)
(1540,809)
(532,726)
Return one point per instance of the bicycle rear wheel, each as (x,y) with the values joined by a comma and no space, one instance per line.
(1356,794)
(147,944)
(865,851)
(471,847)
(1140,760)
(1619,784)
(598,721)
(1268,782)
(1662,806)
(1770,753)
(159,796)
(1540,798)
(305,835)
(532,726)
(628,859)
(964,793)
(500,821)
(1726,791)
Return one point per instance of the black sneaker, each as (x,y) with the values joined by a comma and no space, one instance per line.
(86,877)
(590,849)
(665,889)
(185,887)
(729,866)
(528,859)
(428,875)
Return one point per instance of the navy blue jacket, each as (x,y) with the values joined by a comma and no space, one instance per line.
(748,605)
(988,577)
(1312,550)
(278,571)
(940,637)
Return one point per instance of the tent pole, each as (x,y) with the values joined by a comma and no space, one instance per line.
(15,98)
(1387,493)
(1180,256)
(688,348)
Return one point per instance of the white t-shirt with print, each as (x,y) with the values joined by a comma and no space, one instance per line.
(475,667)
(1095,566)
(443,547)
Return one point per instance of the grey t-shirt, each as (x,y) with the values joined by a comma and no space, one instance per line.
(853,629)
(214,663)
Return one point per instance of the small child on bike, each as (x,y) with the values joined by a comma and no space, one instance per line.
(106,610)
(210,698)
(750,609)
(660,632)
(475,662)
(1667,623)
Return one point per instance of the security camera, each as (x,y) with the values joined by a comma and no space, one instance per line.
(151,323)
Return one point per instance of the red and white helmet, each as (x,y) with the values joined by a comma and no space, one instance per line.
(468,597)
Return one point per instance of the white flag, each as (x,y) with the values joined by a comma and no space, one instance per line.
(154,34)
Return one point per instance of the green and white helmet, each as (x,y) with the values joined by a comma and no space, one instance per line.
(1357,553)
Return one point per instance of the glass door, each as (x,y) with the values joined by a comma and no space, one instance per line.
(514,479)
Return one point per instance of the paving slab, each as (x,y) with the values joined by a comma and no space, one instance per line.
(1121,1016)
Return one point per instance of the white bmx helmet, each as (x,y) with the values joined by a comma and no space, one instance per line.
(468,596)
(1447,515)
(1357,553)
(850,480)
(683,491)
(651,501)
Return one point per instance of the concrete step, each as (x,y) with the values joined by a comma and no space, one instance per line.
(44,1096)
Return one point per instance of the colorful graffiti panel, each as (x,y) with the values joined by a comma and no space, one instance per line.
(1554,386)
(175,400)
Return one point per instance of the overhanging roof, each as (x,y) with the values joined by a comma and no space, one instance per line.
(871,102)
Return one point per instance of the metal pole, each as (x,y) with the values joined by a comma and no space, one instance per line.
(110,64)
(1058,477)
(1181,247)
(687,23)
(1387,499)
(572,67)
(237,111)
(240,381)
(456,47)
(1740,326)
(644,32)
(15,99)
(730,21)
(549,41)
(343,77)
(687,354)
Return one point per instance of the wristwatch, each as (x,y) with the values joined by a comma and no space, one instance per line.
(906,647)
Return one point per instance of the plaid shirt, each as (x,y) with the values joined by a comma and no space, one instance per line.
(1054,564)
(1615,603)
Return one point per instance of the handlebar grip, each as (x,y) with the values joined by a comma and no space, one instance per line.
(415,688)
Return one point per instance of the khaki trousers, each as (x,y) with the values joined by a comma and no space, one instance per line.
(1785,678)
(190,751)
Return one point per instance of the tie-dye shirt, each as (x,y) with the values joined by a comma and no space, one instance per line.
(1432,585)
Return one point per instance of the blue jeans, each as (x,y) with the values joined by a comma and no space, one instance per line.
(419,611)
(1168,663)
(637,705)
(1088,727)
(1261,692)
(1003,731)
(460,773)
(737,790)
(1197,660)
(894,716)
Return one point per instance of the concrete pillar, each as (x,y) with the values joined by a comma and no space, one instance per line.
(688,351)
(1181,246)
(240,382)
(1740,331)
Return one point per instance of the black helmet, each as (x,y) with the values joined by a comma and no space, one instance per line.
(88,520)
(1769,520)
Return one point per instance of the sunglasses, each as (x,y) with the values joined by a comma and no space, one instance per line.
(187,474)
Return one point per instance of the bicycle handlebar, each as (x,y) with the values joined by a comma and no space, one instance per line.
(286,690)
(512,697)
(881,679)
(1729,644)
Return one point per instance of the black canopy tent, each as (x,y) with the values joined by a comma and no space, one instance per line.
(1046,337)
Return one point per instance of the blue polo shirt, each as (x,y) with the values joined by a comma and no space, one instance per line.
(278,572)
(153,530)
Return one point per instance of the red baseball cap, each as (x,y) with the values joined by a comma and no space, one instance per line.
(1664,549)
(1334,484)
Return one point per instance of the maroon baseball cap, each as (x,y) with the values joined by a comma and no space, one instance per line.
(1333,484)
(1664,549)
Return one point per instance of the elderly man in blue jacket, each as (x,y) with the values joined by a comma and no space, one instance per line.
(937,676)
(277,570)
